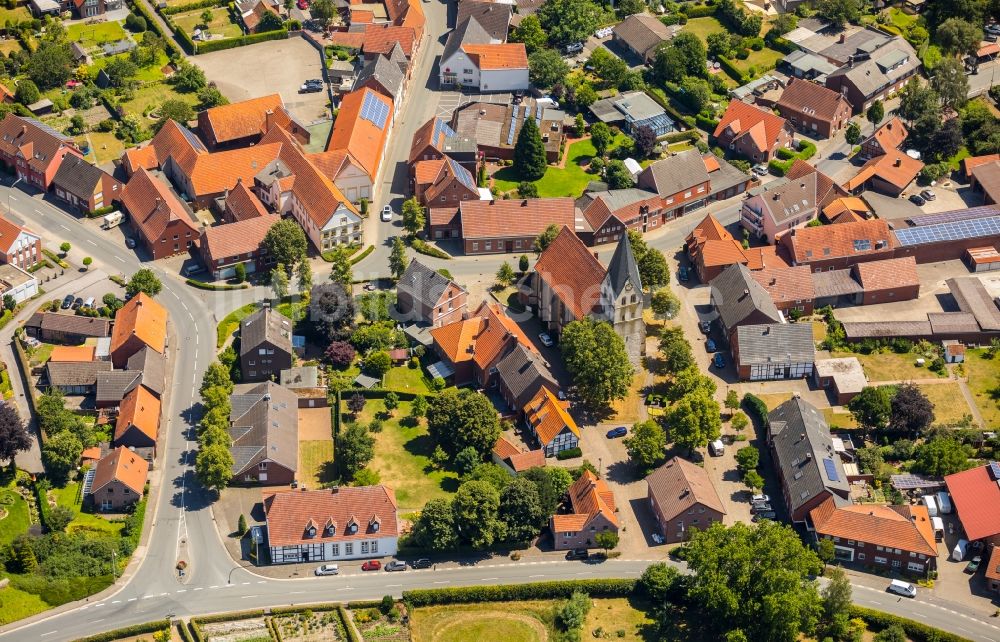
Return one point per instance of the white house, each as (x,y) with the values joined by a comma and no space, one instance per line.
(329,525)
(471,58)
(17,283)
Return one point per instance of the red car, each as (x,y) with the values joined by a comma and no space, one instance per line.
(371,565)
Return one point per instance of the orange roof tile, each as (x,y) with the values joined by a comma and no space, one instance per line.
(9,231)
(152,206)
(890,135)
(372,509)
(709,229)
(572,273)
(515,217)
(123,465)
(895,168)
(590,494)
(786,284)
(548,416)
(762,126)
(357,135)
(73,353)
(496,334)
(233,239)
(426,171)
(329,163)
(362,16)
(887,273)
(844,204)
(810,244)
(140,157)
(380,39)
(508,55)
(144,318)
(456,339)
(879,525)
(711,163)
(238,120)
(349,39)
(976,495)
(993,565)
(139,408)
(973,162)
(243,204)
(215,173)
(519,460)
(90,454)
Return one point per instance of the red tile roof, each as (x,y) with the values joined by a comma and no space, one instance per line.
(890,526)
(123,465)
(216,172)
(139,408)
(9,231)
(508,55)
(73,353)
(548,417)
(973,162)
(153,206)
(380,39)
(242,203)
(515,217)
(786,284)
(457,338)
(371,510)
(238,120)
(38,144)
(976,496)
(762,126)
(895,168)
(572,273)
(517,459)
(363,139)
(804,96)
(809,244)
(589,496)
(890,135)
(233,239)
(349,39)
(887,273)
(143,318)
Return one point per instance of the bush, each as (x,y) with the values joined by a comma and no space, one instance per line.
(756,409)
(201,285)
(360,257)
(423,247)
(698,11)
(509,592)
(916,631)
(569,453)
(128,631)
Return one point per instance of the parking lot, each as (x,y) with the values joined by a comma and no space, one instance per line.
(265,68)
(450,100)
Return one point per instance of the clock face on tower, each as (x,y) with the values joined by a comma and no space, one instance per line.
(628,285)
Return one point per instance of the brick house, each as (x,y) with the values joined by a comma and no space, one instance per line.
(791,288)
(548,421)
(265,345)
(520,375)
(738,299)
(887,139)
(264,428)
(777,209)
(506,226)
(245,123)
(164,224)
(753,132)
(426,296)
(138,423)
(443,182)
(85,187)
(682,497)
(773,351)
(830,247)
(34,150)
(642,34)
(881,73)
(18,246)
(140,323)
(813,109)
(119,480)
(223,247)
(52,327)
(593,511)
(975,493)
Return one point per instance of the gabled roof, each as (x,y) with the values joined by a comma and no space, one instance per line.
(361,128)
(907,528)
(572,273)
(810,244)
(381,39)
(9,232)
(515,217)
(976,494)
(448,172)
(521,369)
(493,17)
(457,339)
(826,188)
(709,229)
(265,325)
(786,284)
(643,32)
(516,458)
(895,167)
(424,284)
(152,206)
(469,32)
(72,353)
(139,408)
(78,177)
(121,465)
(434,133)
(548,416)
(845,209)
(71,324)
(497,335)
(678,485)
(891,135)
(234,121)
(75,373)
(34,141)
(791,200)
(623,267)
(775,343)
(505,55)
(242,203)
(737,295)
(371,510)
(816,101)
(263,425)
(234,239)
(384,72)
(887,273)
(744,119)
(589,496)
(150,366)
(143,318)
(675,174)
(972,297)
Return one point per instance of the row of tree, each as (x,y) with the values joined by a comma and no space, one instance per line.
(214,462)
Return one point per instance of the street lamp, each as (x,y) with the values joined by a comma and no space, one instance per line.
(11,190)
(114,560)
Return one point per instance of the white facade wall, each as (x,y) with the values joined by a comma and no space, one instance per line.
(355,548)
(504,80)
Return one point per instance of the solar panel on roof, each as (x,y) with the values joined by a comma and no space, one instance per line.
(513,126)
(442,128)
(974,228)
(462,174)
(831,470)
(954,216)
(374,110)
(995,470)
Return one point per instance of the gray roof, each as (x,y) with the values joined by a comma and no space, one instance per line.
(776,343)
(605,110)
(422,283)
(860,42)
(675,174)
(265,325)
(623,267)
(75,373)
(806,62)
(114,385)
(643,32)
(264,424)
(637,105)
(886,65)
(736,295)
(520,369)
(77,176)
(71,323)
(802,441)
(383,71)
(614,198)
(151,364)
(725,177)
(792,199)
(971,296)
(301,377)
(468,32)
(493,17)
(835,283)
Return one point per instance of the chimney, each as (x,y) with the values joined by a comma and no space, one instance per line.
(773,280)
(843,37)
(767,330)
(492,202)
(595,256)
(524,203)
(899,161)
(268,119)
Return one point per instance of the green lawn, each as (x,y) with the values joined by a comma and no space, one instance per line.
(405,379)
(984,383)
(403,459)
(950,406)
(41,354)
(621,614)
(701,27)
(230,324)
(557,181)
(83,522)
(93,35)
(901,20)
(220,24)
(10,45)
(889,366)
(315,462)
(762,60)
(16,522)
(18,14)
(155,95)
(507,621)
(150,73)
(104,146)
(16,604)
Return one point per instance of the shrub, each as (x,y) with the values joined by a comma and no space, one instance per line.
(128,631)
(422,247)
(569,453)
(509,592)
(756,408)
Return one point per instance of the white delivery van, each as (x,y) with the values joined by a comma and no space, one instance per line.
(938,524)
(944,502)
(114,219)
(931,504)
(903,588)
(717,448)
(958,553)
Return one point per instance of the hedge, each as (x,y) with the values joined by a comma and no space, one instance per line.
(191,6)
(734,73)
(201,285)
(101,211)
(183,36)
(756,409)
(232,43)
(706,123)
(422,247)
(783,45)
(916,631)
(661,99)
(510,592)
(361,257)
(349,630)
(183,631)
(693,11)
(380,393)
(569,453)
(128,631)
(678,137)
(55,259)
(152,24)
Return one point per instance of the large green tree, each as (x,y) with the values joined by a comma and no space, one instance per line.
(546,68)
(521,510)
(355,448)
(434,529)
(942,456)
(695,420)
(14,436)
(544,239)
(951,83)
(457,419)
(51,65)
(413,216)
(755,578)
(476,507)
(568,21)
(646,446)
(397,258)
(60,454)
(552,483)
(958,36)
(529,152)
(529,32)
(653,270)
(286,242)
(839,12)
(214,466)
(595,356)
(872,407)
(675,351)
(144,280)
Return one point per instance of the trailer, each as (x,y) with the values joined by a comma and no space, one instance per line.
(114,219)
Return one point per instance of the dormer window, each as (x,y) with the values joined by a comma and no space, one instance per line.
(330,529)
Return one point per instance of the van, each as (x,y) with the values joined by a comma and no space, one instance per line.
(938,524)
(902,588)
(931,504)
(89,303)
(113,219)
(961,547)
(717,448)
(944,502)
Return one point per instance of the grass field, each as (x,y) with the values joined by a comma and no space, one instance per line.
(316,462)
(890,366)
(18,14)
(66,496)
(230,324)
(760,60)
(18,604)
(627,410)
(10,45)
(93,35)
(104,146)
(620,614)
(701,27)
(220,24)
(558,181)
(16,522)
(406,379)
(507,621)
(150,73)
(154,96)
(403,459)
(950,406)
(984,382)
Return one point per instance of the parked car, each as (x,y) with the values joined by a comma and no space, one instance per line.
(928,194)
(917,199)
(902,588)
(573,47)
(973,564)
(620,431)
(423,562)
(577,554)
(719,361)
(387,213)
(765,515)
(327,569)
(67,301)
(561,395)
(545,339)
(993,29)
(761,508)
(371,565)
(130,243)
(310,89)
(760,170)
(706,326)
(89,303)
(683,273)
(710,346)
(395,565)
(760,498)
(77,302)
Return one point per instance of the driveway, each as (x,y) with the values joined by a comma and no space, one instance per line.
(268,67)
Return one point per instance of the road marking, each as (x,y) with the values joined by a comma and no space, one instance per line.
(120,259)
(49,633)
(91,241)
(246,597)
(132,599)
(117,601)
(97,605)
(182,590)
(64,227)
(212,587)
(148,597)
(443,582)
(262,582)
(488,579)
(533,576)
(393,585)
(246,583)
(99,620)
(199,588)
(184,305)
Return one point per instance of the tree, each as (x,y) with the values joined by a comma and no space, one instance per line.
(947,140)
(174,109)
(216,376)
(377,363)
(839,12)
(434,529)
(571,615)
(951,83)
(356,403)
(304,276)
(460,418)
(646,446)
(916,99)
(568,21)
(391,401)
(340,354)
(544,239)
(51,65)
(9,302)
(529,152)
(413,216)
(853,133)
(529,32)
(696,93)
(144,280)
(694,421)
(783,23)
(189,78)
(323,11)
(606,540)
(682,56)
(653,270)
(912,411)
(645,141)
(355,448)
(552,483)
(214,466)
(87,262)
(608,67)
(579,126)
(825,550)
(206,18)
(958,36)
(270,21)
(14,436)
(739,421)
(747,459)
(753,480)
(26,92)
(665,304)
(771,601)
(505,275)
(595,356)
(872,407)
(59,518)
(941,456)
(875,113)
(836,596)
(209,97)
(285,242)
(279,281)
(397,258)
(476,506)
(617,175)
(65,247)
(419,406)
(135,23)
(341,271)
(523,264)
(601,137)
(121,72)
(894,633)
(675,351)
(732,402)
(241,525)
(521,510)
(331,312)
(546,68)
(527,189)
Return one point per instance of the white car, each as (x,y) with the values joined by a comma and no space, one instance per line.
(387,213)
(327,569)
(657,538)
(902,588)
(760,499)
(545,339)
(993,29)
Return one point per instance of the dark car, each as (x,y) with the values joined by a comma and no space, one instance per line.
(310,89)
(67,301)
(620,431)
(423,562)
(371,565)
(719,361)
(395,565)
(577,554)
(706,327)
(765,515)
(77,303)
(761,508)
(710,346)
(917,199)
(683,274)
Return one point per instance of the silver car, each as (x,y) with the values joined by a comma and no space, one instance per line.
(328,569)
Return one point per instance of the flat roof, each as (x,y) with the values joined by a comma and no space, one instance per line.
(14,276)
(847,373)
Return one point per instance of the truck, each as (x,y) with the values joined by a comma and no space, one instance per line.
(961,547)
(944,502)
(114,219)
(931,504)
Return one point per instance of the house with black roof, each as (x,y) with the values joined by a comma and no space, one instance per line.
(265,345)
(738,299)
(774,351)
(83,186)
(426,297)
(521,374)
(386,75)
(264,427)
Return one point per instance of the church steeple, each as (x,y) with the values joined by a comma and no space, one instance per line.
(623,267)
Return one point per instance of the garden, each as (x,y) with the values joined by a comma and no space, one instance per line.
(384,622)
(983,371)
(309,626)
(91,35)
(216,21)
